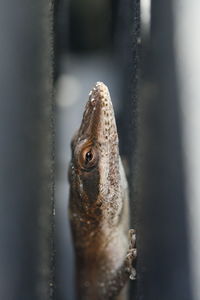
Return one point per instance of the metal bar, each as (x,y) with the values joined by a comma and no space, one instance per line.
(187,45)
(26,172)
(128,52)
(163,243)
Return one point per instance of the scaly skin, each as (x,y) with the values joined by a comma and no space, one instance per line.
(99,209)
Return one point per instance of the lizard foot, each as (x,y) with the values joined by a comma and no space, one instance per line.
(131,254)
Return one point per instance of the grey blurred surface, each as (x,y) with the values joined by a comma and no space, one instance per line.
(164,269)
(187,42)
(78,76)
(26,179)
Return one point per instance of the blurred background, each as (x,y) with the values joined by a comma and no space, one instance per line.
(51,55)
(137,48)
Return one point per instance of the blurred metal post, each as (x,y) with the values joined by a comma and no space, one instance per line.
(187,42)
(162,229)
(128,52)
(26,173)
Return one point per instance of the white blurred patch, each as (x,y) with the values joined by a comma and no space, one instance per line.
(145,15)
(68,90)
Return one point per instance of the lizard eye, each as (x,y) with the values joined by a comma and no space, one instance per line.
(88,158)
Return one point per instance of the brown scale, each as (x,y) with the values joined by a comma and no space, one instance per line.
(99,205)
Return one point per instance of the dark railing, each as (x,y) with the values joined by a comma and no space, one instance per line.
(151,132)
(26,151)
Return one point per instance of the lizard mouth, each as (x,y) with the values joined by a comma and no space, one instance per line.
(98,120)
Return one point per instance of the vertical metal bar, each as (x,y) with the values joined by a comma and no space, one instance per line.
(26,188)
(163,244)
(128,48)
(187,42)
(128,45)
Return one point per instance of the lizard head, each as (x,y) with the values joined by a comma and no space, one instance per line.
(94,172)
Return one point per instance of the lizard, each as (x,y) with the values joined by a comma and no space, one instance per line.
(99,204)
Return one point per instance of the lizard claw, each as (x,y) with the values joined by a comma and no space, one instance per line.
(131,254)
(132,238)
(133,274)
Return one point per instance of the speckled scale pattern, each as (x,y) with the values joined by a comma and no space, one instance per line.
(99,209)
